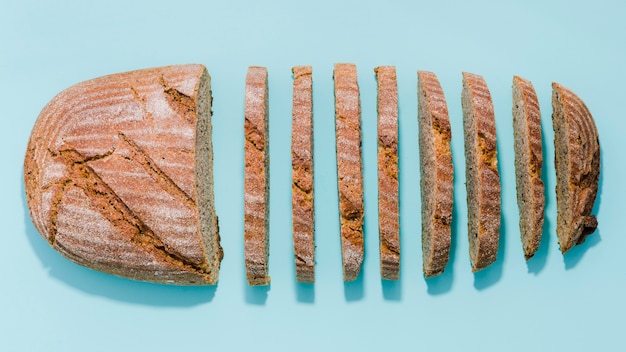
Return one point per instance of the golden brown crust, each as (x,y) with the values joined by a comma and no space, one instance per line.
(437,174)
(256,177)
(577,159)
(109,175)
(483,179)
(349,174)
(528,164)
(303,217)
(388,212)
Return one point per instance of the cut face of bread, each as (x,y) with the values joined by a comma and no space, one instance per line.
(256,177)
(437,173)
(303,216)
(481,170)
(119,175)
(577,159)
(528,164)
(388,211)
(349,173)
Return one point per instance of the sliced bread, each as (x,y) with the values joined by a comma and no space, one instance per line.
(577,160)
(437,173)
(481,170)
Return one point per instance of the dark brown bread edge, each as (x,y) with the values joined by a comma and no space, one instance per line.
(437,174)
(388,211)
(303,215)
(349,169)
(577,160)
(256,177)
(528,164)
(481,167)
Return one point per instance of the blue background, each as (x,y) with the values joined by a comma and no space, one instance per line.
(553,302)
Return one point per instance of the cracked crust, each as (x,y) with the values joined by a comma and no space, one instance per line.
(118,175)
(437,174)
(388,211)
(256,178)
(481,168)
(577,160)
(349,173)
(303,216)
(528,164)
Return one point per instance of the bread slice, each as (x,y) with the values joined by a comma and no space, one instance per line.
(349,174)
(256,177)
(388,209)
(303,216)
(528,164)
(577,159)
(437,173)
(481,169)
(118,175)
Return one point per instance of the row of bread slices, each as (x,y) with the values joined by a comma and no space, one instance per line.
(577,169)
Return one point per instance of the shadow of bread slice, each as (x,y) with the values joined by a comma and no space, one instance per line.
(436,173)
(256,177)
(118,175)
(481,170)
(388,209)
(577,159)
(303,215)
(349,169)
(528,164)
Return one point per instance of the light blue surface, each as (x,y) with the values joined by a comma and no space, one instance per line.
(553,302)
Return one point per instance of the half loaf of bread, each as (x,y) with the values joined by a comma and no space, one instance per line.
(577,160)
(437,173)
(481,169)
(119,175)
(528,164)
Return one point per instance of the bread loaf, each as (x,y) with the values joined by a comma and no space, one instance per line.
(481,169)
(437,173)
(528,164)
(388,209)
(119,177)
(349,174)
(303,216)
(256,177)
(577,160)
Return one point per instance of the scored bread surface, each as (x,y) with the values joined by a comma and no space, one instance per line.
(303,217)
(577,159)
(528,164)
(118,175)
(256,177)
(388,212)
(349,169)
(481,169)
(437,174)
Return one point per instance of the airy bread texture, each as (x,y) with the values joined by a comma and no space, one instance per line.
(303,216)
(528,164)
(437,173)
(388,208)
(481,169)
(256,177)
(119,176)
(577,159)
(349,169)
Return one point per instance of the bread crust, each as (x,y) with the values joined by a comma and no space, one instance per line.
(256,177)
(481,168)
(349,169)
(528,164)
(303,216)
(110,180)
(437,174)
(388,208)
(577,160)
